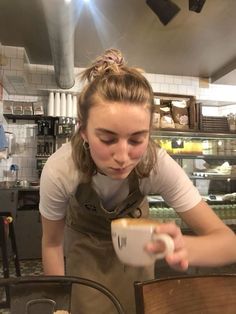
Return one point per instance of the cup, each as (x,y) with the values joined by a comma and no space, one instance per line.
(130,236)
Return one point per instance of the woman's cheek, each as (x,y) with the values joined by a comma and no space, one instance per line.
(137,152)
(99,151)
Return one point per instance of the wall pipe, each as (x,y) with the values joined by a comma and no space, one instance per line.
(59,15)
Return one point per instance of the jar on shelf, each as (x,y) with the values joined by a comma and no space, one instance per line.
(232,122)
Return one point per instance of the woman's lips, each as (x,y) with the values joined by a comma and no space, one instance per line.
(124,169)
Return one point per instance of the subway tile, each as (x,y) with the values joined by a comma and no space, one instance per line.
(190,90)
(182,89)
(156,87)
(164,88)
(36,78)
(168,79)
(187,80)
(9,51)
(159,78)
(173,88)
(177,80)
(20,52)
(16,64)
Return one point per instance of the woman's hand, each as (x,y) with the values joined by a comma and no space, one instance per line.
(178,260)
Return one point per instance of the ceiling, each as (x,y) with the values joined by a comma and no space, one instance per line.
(192,44)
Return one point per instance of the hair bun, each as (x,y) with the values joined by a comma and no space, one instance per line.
(111,60)
(113,56)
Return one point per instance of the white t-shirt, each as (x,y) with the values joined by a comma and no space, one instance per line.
(60,179)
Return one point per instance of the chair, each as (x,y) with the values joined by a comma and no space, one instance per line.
(7,232)
(48,294)
(212,294)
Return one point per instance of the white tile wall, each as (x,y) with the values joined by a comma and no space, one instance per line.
(25,132)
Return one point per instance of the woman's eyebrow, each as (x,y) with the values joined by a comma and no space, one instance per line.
(101,130)
(141,132)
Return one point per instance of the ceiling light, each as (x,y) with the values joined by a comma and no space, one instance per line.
(196,5)
(164,9)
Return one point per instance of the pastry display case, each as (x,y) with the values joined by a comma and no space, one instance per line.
(209,159)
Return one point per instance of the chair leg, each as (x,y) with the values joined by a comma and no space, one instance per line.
(3,236)
(14,249)
(5,263)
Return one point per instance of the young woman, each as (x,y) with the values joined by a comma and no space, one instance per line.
(106,172)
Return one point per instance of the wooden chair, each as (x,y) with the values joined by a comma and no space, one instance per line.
(212,294)
(47,294)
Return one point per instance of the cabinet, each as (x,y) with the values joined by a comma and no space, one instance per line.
(209,159)
(29,234)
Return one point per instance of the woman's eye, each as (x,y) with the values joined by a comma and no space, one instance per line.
(108,141)
(135,142)
(111,141)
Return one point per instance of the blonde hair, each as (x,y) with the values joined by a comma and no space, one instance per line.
(109,79)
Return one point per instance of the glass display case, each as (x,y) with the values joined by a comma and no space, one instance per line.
(209,159)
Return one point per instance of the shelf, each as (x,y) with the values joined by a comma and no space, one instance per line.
(42,157)
(213,177)
(23,117)
(191,133)
(210,157)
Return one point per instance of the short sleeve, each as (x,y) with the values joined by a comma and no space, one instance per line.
(170,181)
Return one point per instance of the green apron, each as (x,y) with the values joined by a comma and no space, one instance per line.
(90,254)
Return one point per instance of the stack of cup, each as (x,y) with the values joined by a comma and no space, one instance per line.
(50,109)
(62,105)
(57,105)
(68,105)
(74,107)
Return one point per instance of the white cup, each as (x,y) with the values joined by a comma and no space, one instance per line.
(131,235)
(63,105)
(57,105)
(69,105)
(50,109)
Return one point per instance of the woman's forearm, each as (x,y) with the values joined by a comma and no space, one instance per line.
(53,260)
(52,246)
(215,249)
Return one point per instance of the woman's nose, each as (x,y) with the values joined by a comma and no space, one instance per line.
(121,154)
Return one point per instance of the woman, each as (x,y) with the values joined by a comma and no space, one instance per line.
(105,172)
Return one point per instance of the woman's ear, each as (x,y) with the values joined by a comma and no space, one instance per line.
(83,135)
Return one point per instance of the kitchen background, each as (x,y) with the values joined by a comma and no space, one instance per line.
(18,74)
(194,55)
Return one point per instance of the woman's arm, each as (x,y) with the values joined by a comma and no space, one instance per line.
(52,246)
(213,245)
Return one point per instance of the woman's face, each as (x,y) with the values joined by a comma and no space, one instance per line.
(118,135)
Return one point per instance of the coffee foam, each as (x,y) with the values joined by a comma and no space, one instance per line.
(125,222)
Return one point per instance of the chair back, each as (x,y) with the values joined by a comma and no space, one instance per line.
(212,294)
(48,294)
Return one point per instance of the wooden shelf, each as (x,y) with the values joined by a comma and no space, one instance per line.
(205,157)
(215,177)
(23,117)
(191,134)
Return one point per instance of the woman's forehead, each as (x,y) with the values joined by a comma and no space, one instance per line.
(118,118)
